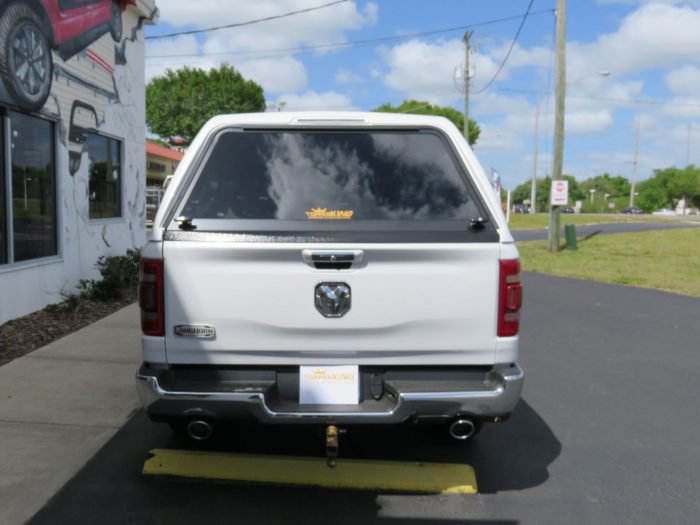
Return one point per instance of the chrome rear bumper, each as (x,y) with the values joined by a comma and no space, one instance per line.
(494,393)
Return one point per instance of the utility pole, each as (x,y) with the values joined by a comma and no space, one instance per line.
(634,163)
(467,48)
(533,188)
(558,161)
(687,146)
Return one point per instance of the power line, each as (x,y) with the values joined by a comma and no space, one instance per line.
(247,23)
(352,43)
(510,50)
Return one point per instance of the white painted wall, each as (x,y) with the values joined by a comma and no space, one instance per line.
(29,286)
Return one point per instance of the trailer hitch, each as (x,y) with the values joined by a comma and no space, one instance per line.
(332,434)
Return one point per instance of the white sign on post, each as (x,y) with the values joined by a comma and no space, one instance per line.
(560,193)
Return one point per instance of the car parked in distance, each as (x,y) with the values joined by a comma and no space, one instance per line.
(568,210)
(634,210)
(521,208)
(665,212)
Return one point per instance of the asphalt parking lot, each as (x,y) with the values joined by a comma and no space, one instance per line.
(606,432)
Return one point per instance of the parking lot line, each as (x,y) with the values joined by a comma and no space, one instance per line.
(445,478)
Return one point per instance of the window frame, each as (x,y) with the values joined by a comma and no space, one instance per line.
(121,217)
(5,143)
(454,229)
(6,188)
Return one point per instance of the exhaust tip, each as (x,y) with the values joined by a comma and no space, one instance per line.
(462,429)
(199,430)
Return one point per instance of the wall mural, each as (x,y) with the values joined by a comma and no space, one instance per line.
(80,65)
(68,59)
(34,28)
(54,49)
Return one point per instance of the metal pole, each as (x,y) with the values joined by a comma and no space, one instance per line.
(533,187)
(687,146)
(634,164)
(559,106)
(465,127)
(508,207)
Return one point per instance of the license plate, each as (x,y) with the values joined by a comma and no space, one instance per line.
(329,385)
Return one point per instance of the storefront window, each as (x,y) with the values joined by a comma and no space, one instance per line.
(33,187)
(105,176)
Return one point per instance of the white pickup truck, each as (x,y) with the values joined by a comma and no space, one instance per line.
(330,268)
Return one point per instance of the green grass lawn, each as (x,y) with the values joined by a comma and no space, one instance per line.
(664,259)
(525,221)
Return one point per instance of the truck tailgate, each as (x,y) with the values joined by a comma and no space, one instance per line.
(410,304)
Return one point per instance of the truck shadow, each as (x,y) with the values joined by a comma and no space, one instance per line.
(514,455)
(509,456)
(110,489)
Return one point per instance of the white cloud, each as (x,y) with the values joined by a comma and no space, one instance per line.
(181,45)
(371,11)
(584,122)
(423,71)
(639,2)
(314,27)
(275,75)
(277,72)
(682,107)
(426,71)
(313,101)
(494,102)
(655,35)
(345,77)
(519,57)
(684,81)
(506,135)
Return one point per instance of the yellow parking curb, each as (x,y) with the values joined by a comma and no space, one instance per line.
(445,478)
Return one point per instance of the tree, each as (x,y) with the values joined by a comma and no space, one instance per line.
(668,186)
(653,193)
(420,107)
(617,186)
(686,185)
(180,102)
(521,192)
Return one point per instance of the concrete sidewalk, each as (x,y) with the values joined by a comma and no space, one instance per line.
(59,405)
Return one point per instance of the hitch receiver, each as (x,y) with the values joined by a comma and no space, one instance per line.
(331,445)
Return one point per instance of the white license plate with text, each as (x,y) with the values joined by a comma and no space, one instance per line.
(329,385)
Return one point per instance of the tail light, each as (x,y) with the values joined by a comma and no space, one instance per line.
(151,297)
(510,298)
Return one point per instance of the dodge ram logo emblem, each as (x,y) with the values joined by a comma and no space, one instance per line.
(332,299)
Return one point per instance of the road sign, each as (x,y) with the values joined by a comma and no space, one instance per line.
(560,193)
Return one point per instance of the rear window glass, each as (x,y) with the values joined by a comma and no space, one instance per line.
(331,175)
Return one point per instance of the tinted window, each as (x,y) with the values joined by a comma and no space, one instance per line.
(331,175)
(33,188)
(105,176)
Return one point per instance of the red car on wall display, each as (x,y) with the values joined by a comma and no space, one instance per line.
(31,29)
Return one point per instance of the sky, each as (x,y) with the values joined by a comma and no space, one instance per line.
(631,65)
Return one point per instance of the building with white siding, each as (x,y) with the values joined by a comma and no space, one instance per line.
(72,159)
